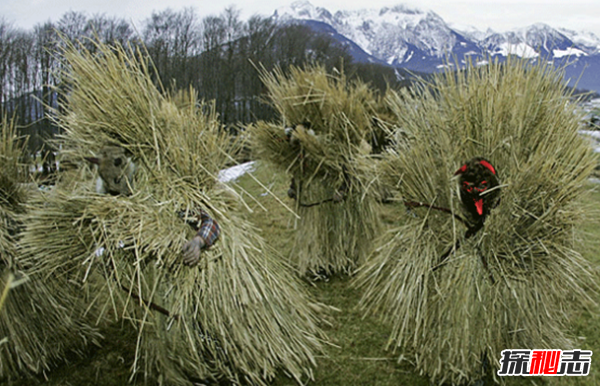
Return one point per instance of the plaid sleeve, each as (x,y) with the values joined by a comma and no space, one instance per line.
(209,229)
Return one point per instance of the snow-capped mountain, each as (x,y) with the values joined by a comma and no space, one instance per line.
(388,33)
(587,40)
(422,41)
(538,40)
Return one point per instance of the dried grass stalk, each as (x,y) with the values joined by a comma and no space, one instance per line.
(239,315)
(13,188)
(333,121)
(40,320)
(521,118)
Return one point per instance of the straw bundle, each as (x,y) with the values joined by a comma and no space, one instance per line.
(12,191)
(40,320)
(238,315)
(513,284)
(329,123)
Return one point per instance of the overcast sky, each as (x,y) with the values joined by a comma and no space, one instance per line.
(500,15)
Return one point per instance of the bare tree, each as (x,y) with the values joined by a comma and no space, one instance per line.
(45,54)
(172,39)
(255,51)
(72,25)
(213,38)
(231,63)
(213,32)
(109,29)
(8,36)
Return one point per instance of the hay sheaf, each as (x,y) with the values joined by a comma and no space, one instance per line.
(13,192)
(326,122)
(239,315)
(339,114)
(41,320)
(514,284)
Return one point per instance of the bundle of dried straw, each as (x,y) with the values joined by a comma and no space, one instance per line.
(41,319)
(514,282)
(326,122)
(239,315)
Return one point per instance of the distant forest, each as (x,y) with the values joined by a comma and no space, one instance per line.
(217,55)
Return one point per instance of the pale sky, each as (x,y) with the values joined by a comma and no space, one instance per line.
(500,15)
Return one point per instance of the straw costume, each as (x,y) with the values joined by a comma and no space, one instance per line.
(235,314)
(41,319)
(486,258)
(326,121)
(115,176)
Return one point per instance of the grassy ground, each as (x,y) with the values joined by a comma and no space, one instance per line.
(357,354)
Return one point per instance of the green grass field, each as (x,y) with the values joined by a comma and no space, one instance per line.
(357,354)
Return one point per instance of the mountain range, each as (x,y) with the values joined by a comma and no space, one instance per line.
(422,41)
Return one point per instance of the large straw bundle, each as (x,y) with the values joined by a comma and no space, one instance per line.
(514,282)
(238,315)
(329,122)
(13,192)
(40,320)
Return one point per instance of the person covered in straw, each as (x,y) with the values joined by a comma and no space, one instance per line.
(495,177)
(292,134)
(116,170)
(240,316)
(326,124)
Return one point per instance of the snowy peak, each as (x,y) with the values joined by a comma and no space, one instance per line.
(422,41)
(392,33)
(533,41)
(587,40)
(386,33)
(302,10)
(545,38)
